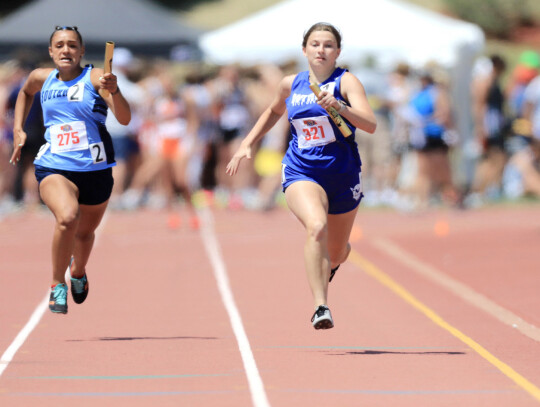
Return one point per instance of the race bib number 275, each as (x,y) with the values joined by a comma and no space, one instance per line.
(68,137)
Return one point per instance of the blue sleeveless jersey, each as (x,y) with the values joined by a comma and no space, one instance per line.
(317,145)
(74,117)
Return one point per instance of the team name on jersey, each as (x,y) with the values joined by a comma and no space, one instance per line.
(299,99)
(53,94)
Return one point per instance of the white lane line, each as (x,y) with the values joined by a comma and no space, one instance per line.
(21,337)
(459,289)
(256,386)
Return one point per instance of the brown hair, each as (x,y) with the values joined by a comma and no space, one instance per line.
(322,27)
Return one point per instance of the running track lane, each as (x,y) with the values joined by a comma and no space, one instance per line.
(154,329)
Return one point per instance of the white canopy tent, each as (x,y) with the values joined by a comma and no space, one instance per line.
(387,30)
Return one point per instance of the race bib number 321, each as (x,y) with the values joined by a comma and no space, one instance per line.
(68,137)
(313,131)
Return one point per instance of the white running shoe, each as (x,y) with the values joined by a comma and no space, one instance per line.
(322,318)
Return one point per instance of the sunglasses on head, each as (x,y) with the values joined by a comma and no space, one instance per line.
(66,27)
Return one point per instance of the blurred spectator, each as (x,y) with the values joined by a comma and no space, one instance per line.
(398,95)
(198,92)
(531,108)
(491,130)
(124,138)
(521,175)
(524,72)
(267,162)
(7,77)
(25,187)
(377,159)
(234,120)
(429,116)
(145,181)
(172,123)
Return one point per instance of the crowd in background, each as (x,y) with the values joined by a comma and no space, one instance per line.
(188,122)
(418,157)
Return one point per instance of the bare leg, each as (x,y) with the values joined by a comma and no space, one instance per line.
(180,179)
(149,171)
(339,231)
(60,195)
(489,170)
(309,203)
(89,219)
(441,174)
(423,182)
(119,174)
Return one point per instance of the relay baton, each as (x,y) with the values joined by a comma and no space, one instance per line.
(334,115)
(107,64)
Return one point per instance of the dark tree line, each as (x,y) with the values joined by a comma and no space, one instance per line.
(8,6)
(498,18)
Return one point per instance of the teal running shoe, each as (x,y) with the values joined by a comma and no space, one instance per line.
(58,299)
(79,289)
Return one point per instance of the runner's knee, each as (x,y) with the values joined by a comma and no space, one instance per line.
(67,217)
(316,229)
(339,255)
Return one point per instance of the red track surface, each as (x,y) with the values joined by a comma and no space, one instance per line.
(155,330)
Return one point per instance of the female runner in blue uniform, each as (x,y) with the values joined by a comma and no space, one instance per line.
(321,169)
(74,166)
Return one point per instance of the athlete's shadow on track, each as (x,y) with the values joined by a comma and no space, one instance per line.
(140,338)
(382,352)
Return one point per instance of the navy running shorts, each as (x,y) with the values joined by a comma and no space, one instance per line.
(125,147)
(344,191)
(95,187)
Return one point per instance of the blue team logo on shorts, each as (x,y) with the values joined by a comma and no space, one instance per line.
(66,127)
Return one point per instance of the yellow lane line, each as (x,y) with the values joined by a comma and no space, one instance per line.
(457,288)
(370,269)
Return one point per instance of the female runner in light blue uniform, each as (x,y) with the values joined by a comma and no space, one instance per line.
(321,169)
(73,167)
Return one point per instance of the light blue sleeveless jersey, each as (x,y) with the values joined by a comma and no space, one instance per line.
(317,145)
(424,104)
(74,117)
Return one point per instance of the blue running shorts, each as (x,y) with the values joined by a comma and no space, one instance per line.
(344,191)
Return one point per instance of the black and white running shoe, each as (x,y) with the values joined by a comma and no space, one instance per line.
(333,272)
(322,318)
